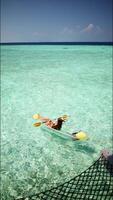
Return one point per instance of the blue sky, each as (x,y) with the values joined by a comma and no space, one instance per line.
(56,20)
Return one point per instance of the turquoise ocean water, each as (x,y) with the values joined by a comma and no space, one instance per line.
(52,80)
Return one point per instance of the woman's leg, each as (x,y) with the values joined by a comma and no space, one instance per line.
(43,119)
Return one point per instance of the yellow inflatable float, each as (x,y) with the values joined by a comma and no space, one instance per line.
(80,136)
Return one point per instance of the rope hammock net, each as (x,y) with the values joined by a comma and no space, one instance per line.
(95,183)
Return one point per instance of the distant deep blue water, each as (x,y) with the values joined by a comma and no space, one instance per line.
(52,80)
(59,43)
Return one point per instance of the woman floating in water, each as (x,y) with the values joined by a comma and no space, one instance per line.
(55,124)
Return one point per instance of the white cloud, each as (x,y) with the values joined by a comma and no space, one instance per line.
(67,30)
(98,29)
(77,27)
(91,28)
(88,28)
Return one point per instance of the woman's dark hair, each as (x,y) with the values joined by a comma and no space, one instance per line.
(59,124)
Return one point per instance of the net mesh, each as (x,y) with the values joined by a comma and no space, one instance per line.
(95,183)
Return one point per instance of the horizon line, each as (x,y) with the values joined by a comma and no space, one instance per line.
(42,43)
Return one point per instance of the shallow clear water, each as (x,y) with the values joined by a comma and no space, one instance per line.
(52,80)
